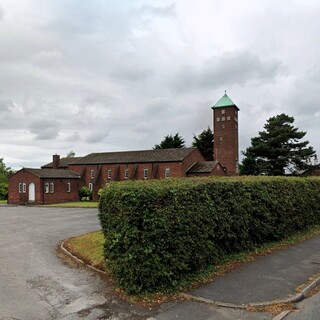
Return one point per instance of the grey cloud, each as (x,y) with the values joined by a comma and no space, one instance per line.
(74,137)
(230,68)
(166,11)
(97,135)
(1,14)
(45,129)
(131,70)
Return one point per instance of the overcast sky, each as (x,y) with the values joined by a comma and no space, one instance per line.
(99,75)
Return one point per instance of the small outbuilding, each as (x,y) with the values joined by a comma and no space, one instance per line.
(43,186)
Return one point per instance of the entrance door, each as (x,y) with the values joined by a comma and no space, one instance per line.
(32,192)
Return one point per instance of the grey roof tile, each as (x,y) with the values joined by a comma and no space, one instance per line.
(203,167)
(158,155)
(64,162)
(53,173)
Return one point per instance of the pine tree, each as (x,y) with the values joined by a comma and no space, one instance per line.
(170,141)
(278,148)
(204,142)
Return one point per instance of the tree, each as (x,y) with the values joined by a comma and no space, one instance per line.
(5,172)
(170,141)
(204,142)
(278,148)
(71,154)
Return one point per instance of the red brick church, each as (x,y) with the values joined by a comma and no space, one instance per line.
(60,180)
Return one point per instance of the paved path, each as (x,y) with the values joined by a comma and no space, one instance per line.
(272,277)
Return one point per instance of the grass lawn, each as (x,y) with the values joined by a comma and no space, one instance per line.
(78,204)
(89,248)
(3,201)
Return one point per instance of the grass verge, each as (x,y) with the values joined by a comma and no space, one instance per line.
(89,248)
(77,204)
(3,201)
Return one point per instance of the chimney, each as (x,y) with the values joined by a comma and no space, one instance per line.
(55,161)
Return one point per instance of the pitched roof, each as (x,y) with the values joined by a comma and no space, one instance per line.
(157,155)
(203,167)
(225,101)
(53,173)
(64,162)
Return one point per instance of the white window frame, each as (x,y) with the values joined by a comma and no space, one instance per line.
(223,111)
(20,187)
(46,187)
(167,173)
(145,173)
(92,174)
(228,118)
(223,118)
(51,187)
(90,186)
(126,173)
(218,119)
(68,186)
(24,187)
(109,173)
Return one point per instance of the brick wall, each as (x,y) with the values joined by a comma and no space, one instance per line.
(60,193)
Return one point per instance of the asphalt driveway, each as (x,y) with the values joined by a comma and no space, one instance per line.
(36,284)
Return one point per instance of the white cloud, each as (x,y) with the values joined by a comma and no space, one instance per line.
(104,75)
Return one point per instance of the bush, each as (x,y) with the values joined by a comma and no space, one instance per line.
(85,194)
(159,232)
(3,191)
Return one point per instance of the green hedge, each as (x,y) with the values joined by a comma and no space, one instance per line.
(159,232)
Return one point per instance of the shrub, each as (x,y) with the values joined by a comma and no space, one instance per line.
(159,232)
(3,191)
(85,194)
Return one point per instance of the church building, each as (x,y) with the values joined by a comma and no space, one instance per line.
(60,180)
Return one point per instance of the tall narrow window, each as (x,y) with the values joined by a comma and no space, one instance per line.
(51,187)
(92,174)
(167,172)
(68,186)
(109,173)
(145,173)
(126,173)
(46,187)
(24,187)
(90,186)
(20,187)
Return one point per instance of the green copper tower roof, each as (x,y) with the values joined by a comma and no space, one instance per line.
(225,101)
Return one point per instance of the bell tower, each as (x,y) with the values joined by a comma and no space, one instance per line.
(225,133)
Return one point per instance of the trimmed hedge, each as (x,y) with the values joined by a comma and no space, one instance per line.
(159,232)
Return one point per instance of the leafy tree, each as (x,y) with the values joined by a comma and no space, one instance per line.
(278,148)
(204,142)
(71,154)
(5,172)
(170,141)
